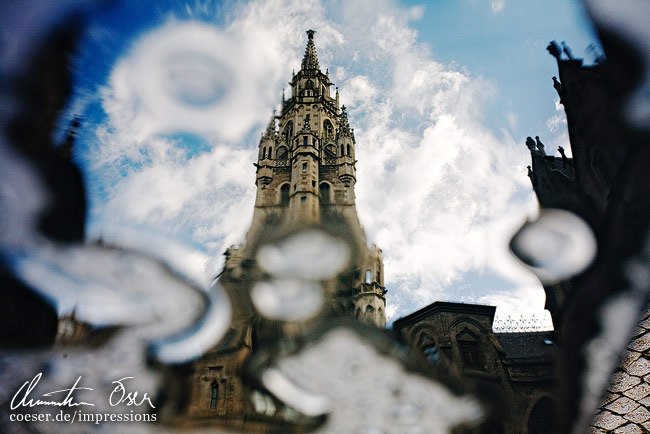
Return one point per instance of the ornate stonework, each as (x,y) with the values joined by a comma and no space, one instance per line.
(305,177)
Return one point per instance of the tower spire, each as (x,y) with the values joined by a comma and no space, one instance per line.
(310,60)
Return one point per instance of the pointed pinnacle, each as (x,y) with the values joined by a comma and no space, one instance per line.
(310,60)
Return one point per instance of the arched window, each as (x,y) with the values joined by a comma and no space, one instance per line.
(342,151)
(214,394)
(369,309)
(542,417)
(348,150)
(328,128)
(330,151)
(270,152)
(368,276)
(288,131)
(470,350)
(263,153)
(304,140)
(378,272)
(284,194)
(324,193)
(282,153)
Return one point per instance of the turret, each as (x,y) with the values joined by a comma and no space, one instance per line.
(267,148)
(346,142)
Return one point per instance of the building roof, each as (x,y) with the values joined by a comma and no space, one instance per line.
(528,346)
(446,306)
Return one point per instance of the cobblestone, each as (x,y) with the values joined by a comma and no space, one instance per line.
(638,392)
(608,420)
(629,429)
(622,381)
(622,405)
(625,407)
(641,343)
(640,415)
(639,367)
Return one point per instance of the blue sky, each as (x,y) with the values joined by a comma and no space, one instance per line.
(441,95)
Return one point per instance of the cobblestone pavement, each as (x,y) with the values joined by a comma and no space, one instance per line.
(626,408)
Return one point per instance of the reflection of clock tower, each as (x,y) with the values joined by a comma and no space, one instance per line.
(306,175)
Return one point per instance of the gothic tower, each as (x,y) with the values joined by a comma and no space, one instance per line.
(305,181)
(306,175)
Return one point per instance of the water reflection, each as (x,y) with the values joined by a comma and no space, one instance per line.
(288,299)
(324,378)
(556,247)
(320,378)
(309,254)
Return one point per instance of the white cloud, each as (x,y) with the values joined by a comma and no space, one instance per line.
(511,117)
(554,122)
(558,127)
(497,5)
(437,190)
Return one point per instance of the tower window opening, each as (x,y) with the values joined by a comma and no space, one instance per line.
(304,166)
(303,199)
(470,352)
(330,151)
(324,193)
(284,194)
(263,153)
(313,183)
(368,276)
(348,150)
(378,277)
(289,131)
(282,153)
(342,151)
(329,129)
(304,140)
(214,394)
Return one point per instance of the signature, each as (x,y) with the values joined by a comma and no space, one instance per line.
(127,398)
(25,401)
(119,395)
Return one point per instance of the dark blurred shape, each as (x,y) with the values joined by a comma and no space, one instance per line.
(26,320)
(38,96)
(556,246)
(606,183)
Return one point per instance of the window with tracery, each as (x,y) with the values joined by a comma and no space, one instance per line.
(214,394)
(470,351)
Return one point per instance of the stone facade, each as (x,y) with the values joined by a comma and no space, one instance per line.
(516,367)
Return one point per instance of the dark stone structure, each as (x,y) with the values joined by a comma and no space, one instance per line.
(606,183)
(516,367)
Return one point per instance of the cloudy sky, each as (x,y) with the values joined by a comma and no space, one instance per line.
(441,94)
